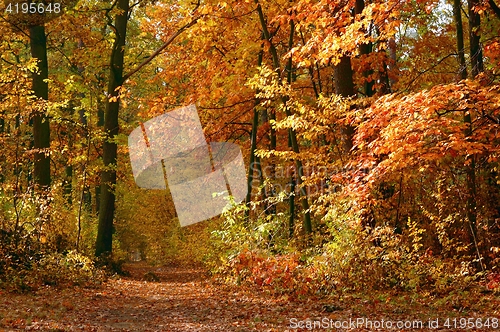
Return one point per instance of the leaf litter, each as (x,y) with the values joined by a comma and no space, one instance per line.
(186,299)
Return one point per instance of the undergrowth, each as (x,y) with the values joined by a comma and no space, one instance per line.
(353,259)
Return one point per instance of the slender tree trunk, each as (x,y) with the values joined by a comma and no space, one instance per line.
(271,209)
(344,86)
(100,123)
(2,131)
(295,145)
(457,14)
(471,190)
(84,121)
(68,184)
(251,166)
(108,176)
(41,127)
(365,49)
(263,195)
(291,198)
(476,54)
(392,65)
(269,115)
(253,146)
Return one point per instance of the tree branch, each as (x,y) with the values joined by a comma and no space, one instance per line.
(164,46)
(226,106)
(14,25)
(420,73)
(495,8)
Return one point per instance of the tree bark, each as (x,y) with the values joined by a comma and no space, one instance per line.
(296,149)
(253,146)
(41,127)
(476,53)
(457,14)
(104,239)
(293,136)
(477,67)
(107,198)
(344,86)
(495,8)
(365,49)
(291,198)
(100,123)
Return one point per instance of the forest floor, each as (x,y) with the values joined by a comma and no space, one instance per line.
(185,299)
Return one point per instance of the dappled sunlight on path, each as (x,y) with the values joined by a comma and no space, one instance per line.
(186,299)
(183,300)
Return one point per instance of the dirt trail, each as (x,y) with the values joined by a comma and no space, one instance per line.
(183,300)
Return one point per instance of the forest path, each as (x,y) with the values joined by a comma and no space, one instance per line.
(183,300)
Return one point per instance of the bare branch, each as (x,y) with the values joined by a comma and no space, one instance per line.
(164,46)
(15,26)
(495,8)
(420,73)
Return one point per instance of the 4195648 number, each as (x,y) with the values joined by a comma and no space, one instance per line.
(33,8)
(471,323)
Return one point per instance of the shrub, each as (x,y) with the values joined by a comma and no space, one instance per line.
(53,269)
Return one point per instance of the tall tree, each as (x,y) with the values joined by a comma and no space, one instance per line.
(253,146)
(476,53)
(344,86)
(477,66)
(41,126)
(364,50)
(104,239)
(457,14)
(107,197)
(292,133)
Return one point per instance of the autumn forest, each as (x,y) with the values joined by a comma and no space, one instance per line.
(369,130)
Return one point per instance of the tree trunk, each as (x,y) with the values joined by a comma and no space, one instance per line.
(344,86)
(457,13)
(476,54)
(100,123)
(108,176)
(41,127)
(291,198)
(365,49)
(392,66)
(251,166)
(293,136)
(295,146)
(477,67)
(2,130)
(68,185)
